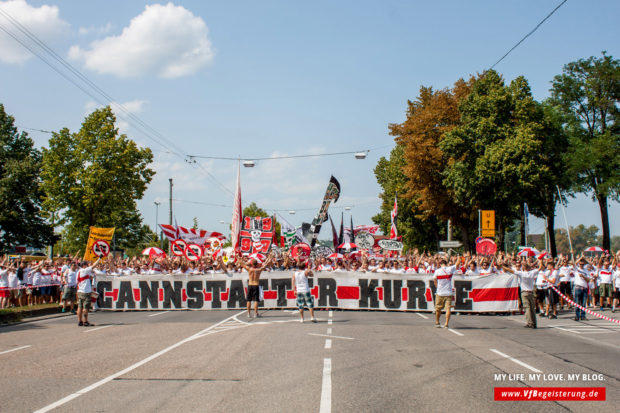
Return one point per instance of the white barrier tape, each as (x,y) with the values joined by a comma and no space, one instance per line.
(583,308)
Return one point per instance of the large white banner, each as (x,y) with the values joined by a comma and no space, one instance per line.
(347,290)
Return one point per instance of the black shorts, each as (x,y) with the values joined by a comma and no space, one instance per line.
(253,293)
(540,295)
(617,294)
(565,288)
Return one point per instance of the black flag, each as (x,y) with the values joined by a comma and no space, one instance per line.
(331,194)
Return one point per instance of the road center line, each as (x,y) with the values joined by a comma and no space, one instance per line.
(514,360)
(97,328)
(325,335)
(422,315)
(15,349)
(331,313)
(328,343)
(456,332)
(153,315)
(132,367)
(329,330)
(326,388)
(329,322)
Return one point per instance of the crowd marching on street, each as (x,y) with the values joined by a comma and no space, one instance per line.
(591,282)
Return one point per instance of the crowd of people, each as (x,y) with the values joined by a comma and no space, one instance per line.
(593,282)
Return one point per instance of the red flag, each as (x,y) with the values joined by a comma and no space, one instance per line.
(237,214)
(393,230)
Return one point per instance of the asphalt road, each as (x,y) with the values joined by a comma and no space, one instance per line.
(219,361)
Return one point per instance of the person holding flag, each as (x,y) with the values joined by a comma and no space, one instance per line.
(84,289)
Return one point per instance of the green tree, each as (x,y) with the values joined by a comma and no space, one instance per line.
(94,177)
(21,221)
(429,117)
(494,155)
(416,232)
(582,237)
(587,93)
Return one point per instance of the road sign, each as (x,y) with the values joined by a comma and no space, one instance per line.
(450,244)
(487,223)
(101,248)
(193,252)
(178,247)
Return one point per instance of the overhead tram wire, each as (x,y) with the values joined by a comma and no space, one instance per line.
(137,123)
(528,35)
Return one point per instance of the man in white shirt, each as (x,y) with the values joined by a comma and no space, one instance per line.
(581,281)
(302,290)
(617,288)
(567,276)
(605,273)
(69,295)
(443,293)
(527,278)
(84,289)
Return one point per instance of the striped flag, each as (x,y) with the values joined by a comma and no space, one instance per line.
(191,235)
(237,215)
(393,230)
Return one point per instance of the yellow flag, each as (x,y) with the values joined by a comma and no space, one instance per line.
(97,234)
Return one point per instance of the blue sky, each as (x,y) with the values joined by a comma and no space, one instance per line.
(268,78)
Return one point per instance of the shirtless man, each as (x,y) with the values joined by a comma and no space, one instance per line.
(253,288)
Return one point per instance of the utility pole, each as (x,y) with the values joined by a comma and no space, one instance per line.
(157,217)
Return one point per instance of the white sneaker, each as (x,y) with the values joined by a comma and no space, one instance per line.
(249,315)
(313,320)
(301,320)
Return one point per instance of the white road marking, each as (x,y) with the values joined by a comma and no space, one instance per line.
(328,343)
(329,331)
(326,388)
(422,315)
(97,328)
(15,349)
(153,315)
(331,313)
(130,368)
(329,322)
(514,360)
(456,332)
(324,335)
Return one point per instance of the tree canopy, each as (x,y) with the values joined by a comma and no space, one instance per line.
(21,220)
(93,178)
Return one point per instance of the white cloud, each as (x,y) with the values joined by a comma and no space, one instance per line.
(164,40)
(98,30)
(44,22)
(132,107)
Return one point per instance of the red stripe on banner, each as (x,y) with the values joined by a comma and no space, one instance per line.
(380,292)
(494,294)
(315,292)
(161,294)
(290,295)
(183,294)
(208,296)
(224,296)
(136,294)
(270,295)
(112,294)
(405,293)
(428,294)
(347,293)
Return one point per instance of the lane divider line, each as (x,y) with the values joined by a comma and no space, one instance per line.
(456,332)
(325,335)
(15,349)
(130,368)
(97,328)
(514,360)
(326,387)
(422,315)
(153,315)
(328,343)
